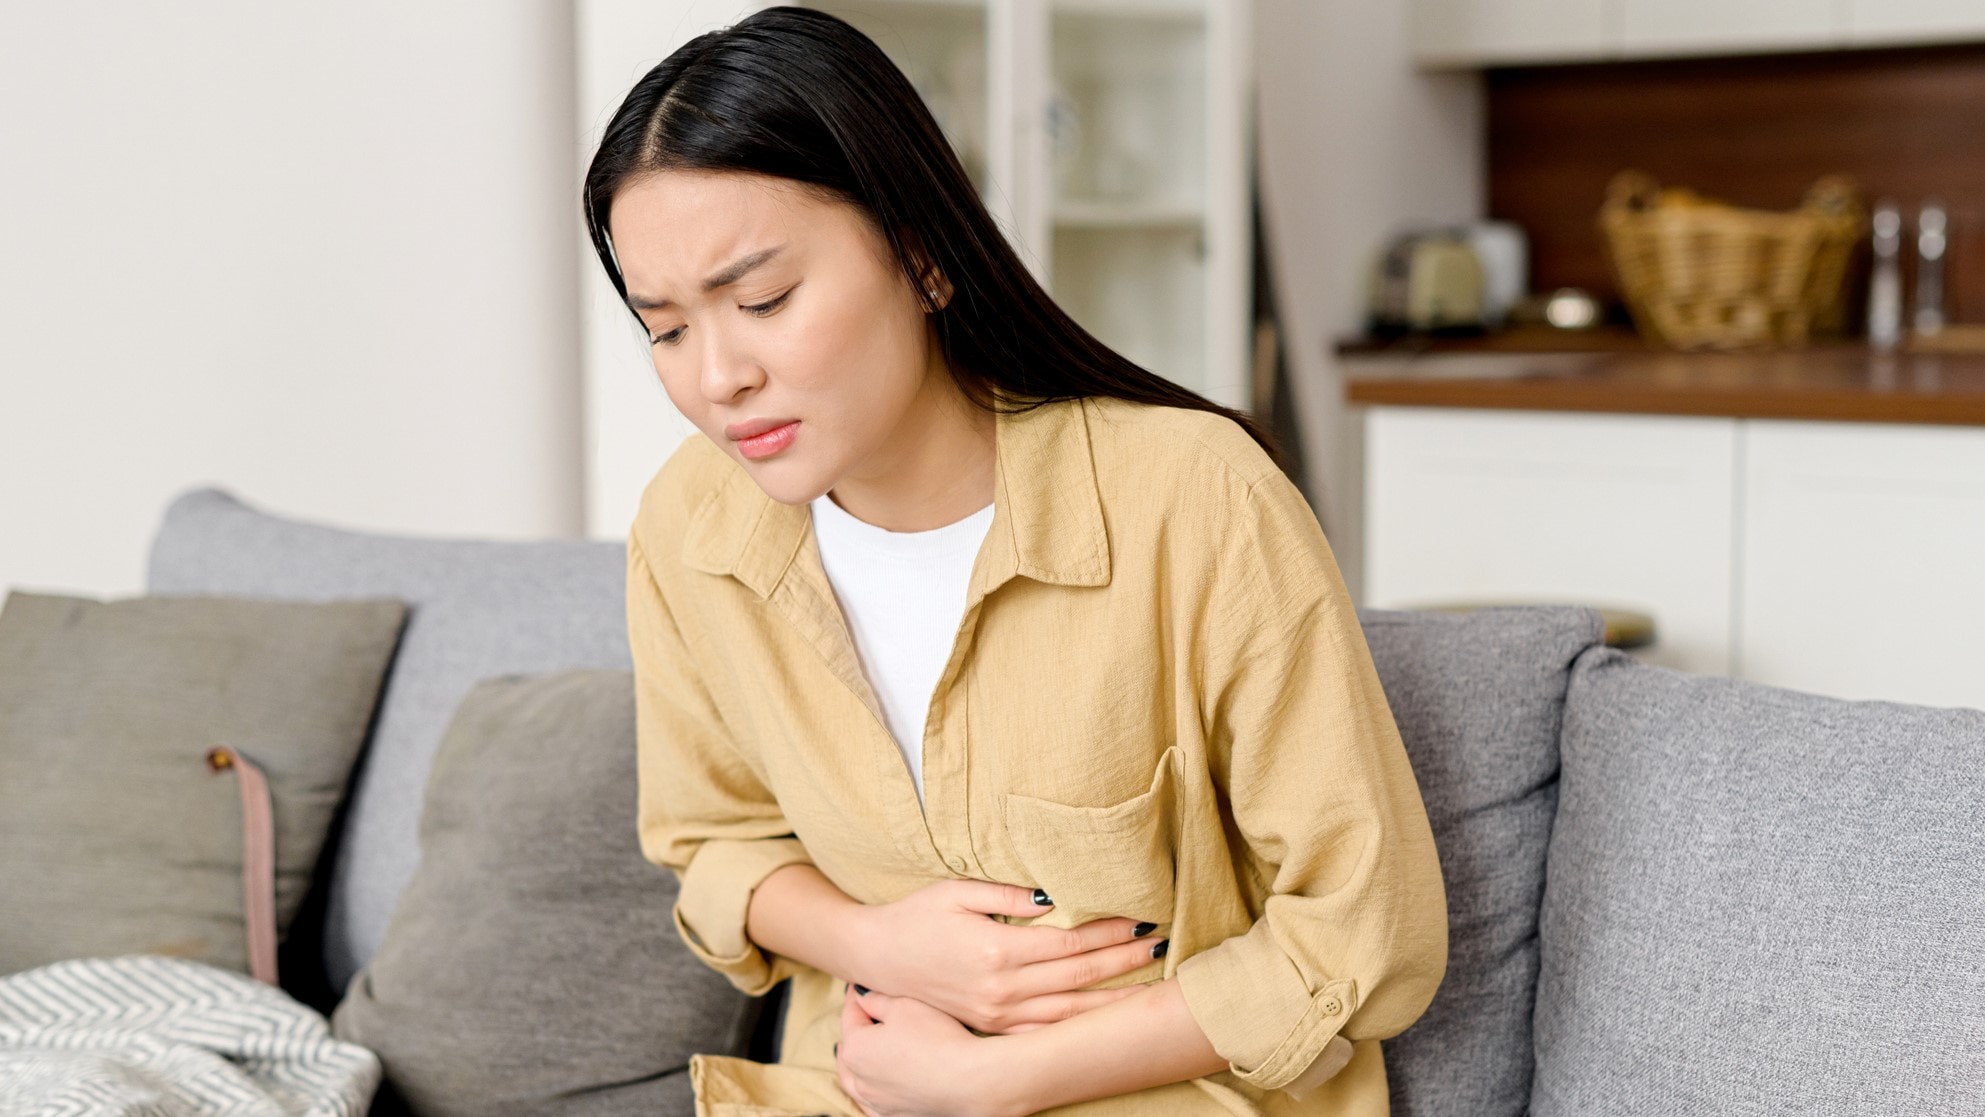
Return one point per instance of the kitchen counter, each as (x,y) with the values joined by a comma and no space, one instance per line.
(1838,382)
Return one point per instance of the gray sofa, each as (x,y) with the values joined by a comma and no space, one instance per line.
(1667,893)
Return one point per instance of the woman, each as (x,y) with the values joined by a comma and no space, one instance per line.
(1133,832)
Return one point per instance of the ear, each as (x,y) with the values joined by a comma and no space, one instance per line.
(932,286)
(937,288)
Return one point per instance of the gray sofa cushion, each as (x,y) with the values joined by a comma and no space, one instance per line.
(1761,901)
(1478,698)
(532,966)
(479,608)
(116,836)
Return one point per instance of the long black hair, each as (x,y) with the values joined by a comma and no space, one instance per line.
(799,94)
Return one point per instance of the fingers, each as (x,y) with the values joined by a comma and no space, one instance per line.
(854,1016)
(1082,970)
(988,898)
(1045,943)
(878,1006)
(852,1020)
(1056,1007)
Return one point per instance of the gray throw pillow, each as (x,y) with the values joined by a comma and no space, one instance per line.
(480,608)
(115,835)
(532,966)
(1478,698)
(1761,901)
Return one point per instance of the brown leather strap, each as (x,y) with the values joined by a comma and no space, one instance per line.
(258,859)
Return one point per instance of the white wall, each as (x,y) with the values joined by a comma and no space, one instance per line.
(321,255)
(1354,144)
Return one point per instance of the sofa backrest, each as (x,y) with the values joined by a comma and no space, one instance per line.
(1479,698)
(1761,901)
(479,608)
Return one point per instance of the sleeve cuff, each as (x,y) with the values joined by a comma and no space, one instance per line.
(1257,1012)
(716,892)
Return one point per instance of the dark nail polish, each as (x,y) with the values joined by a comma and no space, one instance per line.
(1041,897)
(1158,951)
(1142,929)
(861,991)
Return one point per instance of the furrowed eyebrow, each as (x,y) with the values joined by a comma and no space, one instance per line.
(729,274)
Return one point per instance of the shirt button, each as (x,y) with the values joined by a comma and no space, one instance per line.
(957,864)
(1332,1006)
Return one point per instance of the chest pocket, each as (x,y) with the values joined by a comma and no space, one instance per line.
(1098,862)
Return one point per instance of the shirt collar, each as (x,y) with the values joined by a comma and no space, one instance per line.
(1047,512)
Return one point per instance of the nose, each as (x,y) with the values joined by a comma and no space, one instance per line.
(728,369)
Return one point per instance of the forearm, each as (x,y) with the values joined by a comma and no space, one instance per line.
(1145,1040)
(800,914)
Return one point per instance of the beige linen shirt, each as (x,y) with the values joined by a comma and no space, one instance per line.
(1159,704)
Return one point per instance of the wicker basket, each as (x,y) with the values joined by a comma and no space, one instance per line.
(1699,274)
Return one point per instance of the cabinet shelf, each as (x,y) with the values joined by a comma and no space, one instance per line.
(1103,215)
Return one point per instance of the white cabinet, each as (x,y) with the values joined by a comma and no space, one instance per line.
(1881,22)
(1110,138)
(1864,560)
(1650,27)
(1832,557)
(1496,32)
(1475,31)
(1613,510)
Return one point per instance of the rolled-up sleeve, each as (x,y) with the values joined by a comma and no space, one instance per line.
(1351,941)
(704,811)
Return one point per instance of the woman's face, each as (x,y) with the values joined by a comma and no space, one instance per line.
(765,304)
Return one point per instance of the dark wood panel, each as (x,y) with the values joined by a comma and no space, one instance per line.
(1835,382)
(1755,131)
(1510,339)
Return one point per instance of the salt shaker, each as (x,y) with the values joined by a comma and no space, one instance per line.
(1885,283)
(1931,243)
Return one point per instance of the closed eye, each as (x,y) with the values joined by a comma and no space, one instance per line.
(764,308)
(759,310)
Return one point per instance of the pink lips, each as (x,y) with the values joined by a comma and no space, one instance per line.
(769,443)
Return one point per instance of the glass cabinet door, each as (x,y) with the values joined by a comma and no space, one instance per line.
(1127,124)
(942,46)
(1109,139)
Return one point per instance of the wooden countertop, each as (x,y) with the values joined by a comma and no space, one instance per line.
(1839,382)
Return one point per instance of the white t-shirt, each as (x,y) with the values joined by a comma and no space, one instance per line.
(903,594)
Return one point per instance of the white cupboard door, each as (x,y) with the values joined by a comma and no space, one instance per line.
(1657,27)
(1913,21)
(1627,511)
(1864,561)
(1468,32)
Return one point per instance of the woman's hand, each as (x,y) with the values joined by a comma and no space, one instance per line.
(939,945)
(899,1057)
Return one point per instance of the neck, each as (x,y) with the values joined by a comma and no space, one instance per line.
(936,469)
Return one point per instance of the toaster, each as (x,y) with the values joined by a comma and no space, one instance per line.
(1427,281)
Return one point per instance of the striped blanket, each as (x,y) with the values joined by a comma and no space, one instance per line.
(149,1036)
